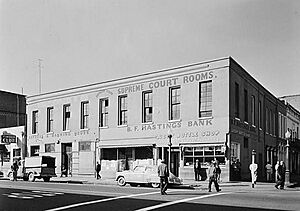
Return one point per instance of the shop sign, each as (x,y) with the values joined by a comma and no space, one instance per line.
(8,139)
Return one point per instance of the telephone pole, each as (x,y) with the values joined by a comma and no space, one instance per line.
(40,75)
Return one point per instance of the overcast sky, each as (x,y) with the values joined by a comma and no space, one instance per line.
(88,41)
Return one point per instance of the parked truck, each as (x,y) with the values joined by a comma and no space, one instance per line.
(37,167)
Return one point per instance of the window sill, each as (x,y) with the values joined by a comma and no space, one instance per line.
(50,133)
(147,123)
(66,131)
(85,129)
(120,126)
(104,127)
(207,117)
(174,120)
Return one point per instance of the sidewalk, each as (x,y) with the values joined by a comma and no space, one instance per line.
(202,185)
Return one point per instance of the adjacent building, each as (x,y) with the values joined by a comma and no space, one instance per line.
(211,110)
(12,128)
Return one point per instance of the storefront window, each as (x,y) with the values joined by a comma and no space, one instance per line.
(203,154)
(85,146)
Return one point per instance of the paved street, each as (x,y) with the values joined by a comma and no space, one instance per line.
(22,195)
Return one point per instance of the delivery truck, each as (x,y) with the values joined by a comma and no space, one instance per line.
(37,167)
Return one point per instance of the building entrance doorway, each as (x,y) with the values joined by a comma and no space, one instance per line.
(66,159)
(174,168)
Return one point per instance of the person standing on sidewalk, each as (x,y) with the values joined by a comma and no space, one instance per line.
(15,168)
(253,169)
(280,175)
(197,169)
(276,170)
(98,169)
(269,171)
(212,175)
(163,173)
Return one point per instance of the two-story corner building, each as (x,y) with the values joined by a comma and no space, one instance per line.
(207,111)
(12,128)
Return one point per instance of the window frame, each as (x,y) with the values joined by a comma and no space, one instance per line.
(103,115)
(35,121)
(50,119)
(205,99)
(237,100)
(147,106)
(66,120)
(174,107)
(246,106)
(123,110)
(84,115)
(253,110)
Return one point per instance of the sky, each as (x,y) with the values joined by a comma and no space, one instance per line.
(81,42)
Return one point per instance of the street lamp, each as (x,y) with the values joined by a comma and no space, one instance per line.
(253,156)
(287,169)
(170,145)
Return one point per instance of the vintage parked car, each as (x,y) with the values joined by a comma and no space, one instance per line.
(1,174)
(143,175)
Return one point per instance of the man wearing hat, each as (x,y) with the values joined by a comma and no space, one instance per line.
(163,173)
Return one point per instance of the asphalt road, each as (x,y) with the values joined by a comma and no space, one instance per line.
(54,196)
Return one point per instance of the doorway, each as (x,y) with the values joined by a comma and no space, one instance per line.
(66,159)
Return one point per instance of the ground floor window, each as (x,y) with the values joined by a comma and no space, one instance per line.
(205,154)
(34,150)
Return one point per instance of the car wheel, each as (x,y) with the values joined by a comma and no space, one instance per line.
(10,176)
(31,177)
(155,185)
(46,179)
(121,181)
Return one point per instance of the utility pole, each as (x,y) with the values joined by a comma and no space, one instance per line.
(40,76)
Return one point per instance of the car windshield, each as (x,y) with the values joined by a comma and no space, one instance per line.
(139,169)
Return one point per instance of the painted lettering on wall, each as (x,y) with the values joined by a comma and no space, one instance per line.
(188,134)
(171,125)
(174,81)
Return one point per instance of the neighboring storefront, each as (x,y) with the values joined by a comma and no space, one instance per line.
(12,146)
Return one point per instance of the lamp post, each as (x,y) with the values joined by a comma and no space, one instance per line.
(287,169)
(170,145)
(253,155)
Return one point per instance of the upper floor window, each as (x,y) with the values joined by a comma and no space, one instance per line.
(147,106)
(205,99)
(253,110)
(237,100)
(246,105)
(123,110)
(259,114)
(50,119)
(84,115)
(66,117)
(103,112)
(174,103)
(35,122)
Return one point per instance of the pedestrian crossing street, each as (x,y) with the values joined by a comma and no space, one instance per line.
(32,194)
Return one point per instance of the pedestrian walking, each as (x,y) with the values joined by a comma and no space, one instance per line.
(197,169)
(280,175)
(253,169)
(15,168)
(163,173)
(218,171)
(98,169)
(276,170)
(269,171)
(212,175)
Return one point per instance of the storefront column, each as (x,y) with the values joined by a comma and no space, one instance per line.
(155,152)
(163,153)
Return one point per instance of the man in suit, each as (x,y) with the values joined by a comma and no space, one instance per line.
(163,173)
